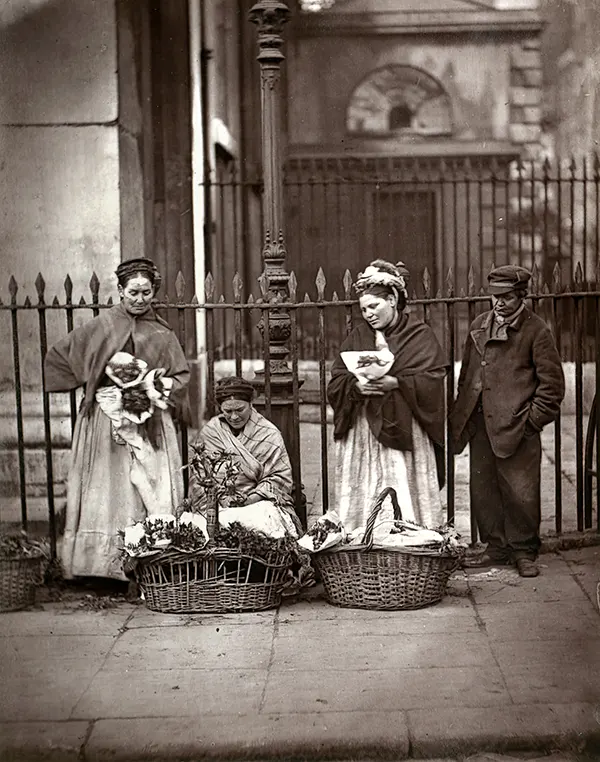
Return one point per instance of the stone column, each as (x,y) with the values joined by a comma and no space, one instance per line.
(275,383)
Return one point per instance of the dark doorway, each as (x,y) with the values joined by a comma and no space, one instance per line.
(404,228)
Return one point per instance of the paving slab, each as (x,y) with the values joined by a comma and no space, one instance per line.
(551,682)
(356,735)
(510,588)
(24,741)
(363,652)
(55,647)
(451,611)
(530,621)
(143,617)
(224,647)
(590,584)
(519,757)
(45,690)
(298,691)
(171,693)
(55,619)
(539,651)
(458,731)
(582,557)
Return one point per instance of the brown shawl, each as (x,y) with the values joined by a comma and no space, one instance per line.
(420,368)
(81,356)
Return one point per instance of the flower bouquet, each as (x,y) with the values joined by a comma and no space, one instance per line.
(138,390)
(21,570)
(159,531)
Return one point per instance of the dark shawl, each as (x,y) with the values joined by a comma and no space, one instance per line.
(420,368)
(81,356)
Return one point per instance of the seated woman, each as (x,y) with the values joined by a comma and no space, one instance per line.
(389,432)
(258,448)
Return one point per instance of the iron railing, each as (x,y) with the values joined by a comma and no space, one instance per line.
(465,213)
(39,425)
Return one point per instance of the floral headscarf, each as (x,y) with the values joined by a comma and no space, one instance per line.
(382,274)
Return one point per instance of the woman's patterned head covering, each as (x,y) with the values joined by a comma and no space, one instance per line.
(233,387)
(383,275)
(131,267)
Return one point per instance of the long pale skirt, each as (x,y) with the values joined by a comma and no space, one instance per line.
(364,467)
(112,484)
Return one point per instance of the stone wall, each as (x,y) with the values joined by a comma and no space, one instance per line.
(59,184)
(526,95)
(59,193)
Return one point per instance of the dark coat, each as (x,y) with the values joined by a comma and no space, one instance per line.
(520,380)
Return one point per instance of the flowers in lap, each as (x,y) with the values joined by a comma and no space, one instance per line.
(138,390)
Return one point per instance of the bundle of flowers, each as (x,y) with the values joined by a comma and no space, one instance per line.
(16,546)
(324,533)
(215,474)
(158,532)
(139,390)
(251,542)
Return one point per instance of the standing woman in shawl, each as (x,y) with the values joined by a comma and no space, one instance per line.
(125,460)
(389,432)
(258,449)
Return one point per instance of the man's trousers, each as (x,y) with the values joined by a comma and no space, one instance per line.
(505,495)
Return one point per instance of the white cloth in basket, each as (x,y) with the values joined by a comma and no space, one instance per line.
(263,516)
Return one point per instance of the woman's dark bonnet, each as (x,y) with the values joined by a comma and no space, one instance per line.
(140,266)
(233,387)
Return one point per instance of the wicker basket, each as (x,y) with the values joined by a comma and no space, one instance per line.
(368,577)
(18,579)
(217,580)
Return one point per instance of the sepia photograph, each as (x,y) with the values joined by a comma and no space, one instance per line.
(299,416)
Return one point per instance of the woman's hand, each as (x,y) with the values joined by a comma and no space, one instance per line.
(377,387)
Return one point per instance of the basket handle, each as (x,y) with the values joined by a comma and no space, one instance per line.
(368,537)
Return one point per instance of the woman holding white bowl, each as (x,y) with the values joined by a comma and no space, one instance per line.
(388,431)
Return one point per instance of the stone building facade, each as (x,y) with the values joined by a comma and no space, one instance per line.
(451,91)
(571,67)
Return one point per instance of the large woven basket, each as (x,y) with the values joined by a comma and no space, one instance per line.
(19,578)
(369,577)
(217,580)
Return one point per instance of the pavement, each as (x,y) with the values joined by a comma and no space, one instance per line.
(502,669)
(502,664)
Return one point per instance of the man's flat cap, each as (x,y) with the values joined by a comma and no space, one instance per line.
(503,279)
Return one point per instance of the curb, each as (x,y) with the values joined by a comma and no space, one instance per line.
(569,541)
(411,734)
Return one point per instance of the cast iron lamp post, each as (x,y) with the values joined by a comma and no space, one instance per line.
(270,17)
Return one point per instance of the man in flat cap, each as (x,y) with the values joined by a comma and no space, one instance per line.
(511,385)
